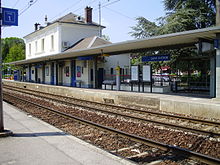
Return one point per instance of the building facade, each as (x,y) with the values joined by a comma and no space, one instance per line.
(66,34)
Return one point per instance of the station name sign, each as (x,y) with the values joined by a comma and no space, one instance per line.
(156,58)
(9,17)
(85,58)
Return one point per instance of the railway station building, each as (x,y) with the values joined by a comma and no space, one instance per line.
(64,35)
(69,52)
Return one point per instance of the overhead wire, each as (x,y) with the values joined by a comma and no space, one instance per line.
(71,7)
(110,3)
(15,3)
(117,12)
(103,4)
(66,9)
(85,5)
(74,11)
(30,3)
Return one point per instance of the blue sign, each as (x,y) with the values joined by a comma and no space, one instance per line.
(9,17)
(156,58)
(216,44)
(85,58)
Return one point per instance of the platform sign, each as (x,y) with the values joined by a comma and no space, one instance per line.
(156,58)
(134,73)
(147,73)
(9,17)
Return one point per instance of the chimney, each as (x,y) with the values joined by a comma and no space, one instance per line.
(36,26)
(88,14)
(45,19)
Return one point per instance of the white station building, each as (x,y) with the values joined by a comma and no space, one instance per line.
(66,34)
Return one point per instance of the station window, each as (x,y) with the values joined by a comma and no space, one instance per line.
(52,42)
(112,71)
(85,63)
(42,45)
(121,71)
(32,71)
(67,71)
(47,71)
(91,74)
(29,49)
(36,46)
(126,71)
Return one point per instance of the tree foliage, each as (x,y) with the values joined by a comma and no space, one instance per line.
(201,12)
(144,28)
(182,15)
(13,49)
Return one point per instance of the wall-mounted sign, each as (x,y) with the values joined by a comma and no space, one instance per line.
(147,73)
(85,58)
(216,44)
(156,58)
(134,73)
(78,71)
(9,17)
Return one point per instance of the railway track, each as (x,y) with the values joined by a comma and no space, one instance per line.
(199,126)
(140,140)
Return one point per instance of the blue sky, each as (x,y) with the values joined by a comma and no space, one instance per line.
(117,15)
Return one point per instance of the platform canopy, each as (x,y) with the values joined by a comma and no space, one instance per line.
(168,41)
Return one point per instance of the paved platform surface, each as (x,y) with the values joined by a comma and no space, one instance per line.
(38,143)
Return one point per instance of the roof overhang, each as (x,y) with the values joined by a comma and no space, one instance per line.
(168,41)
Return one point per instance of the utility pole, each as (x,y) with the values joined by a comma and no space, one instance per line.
(3,132)
(1,104)
(100,31)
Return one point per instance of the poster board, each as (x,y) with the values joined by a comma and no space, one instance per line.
(135,73)
(78,71)
(147,73)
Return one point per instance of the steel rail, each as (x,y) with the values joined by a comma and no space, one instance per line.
(184,152)
(199,131)
(127,108)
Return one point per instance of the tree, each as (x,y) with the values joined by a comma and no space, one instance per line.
(13,49)
(144,28)
(181,15)
(201,12)
(16,52)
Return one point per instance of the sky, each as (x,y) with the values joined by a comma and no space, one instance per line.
(117,15)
